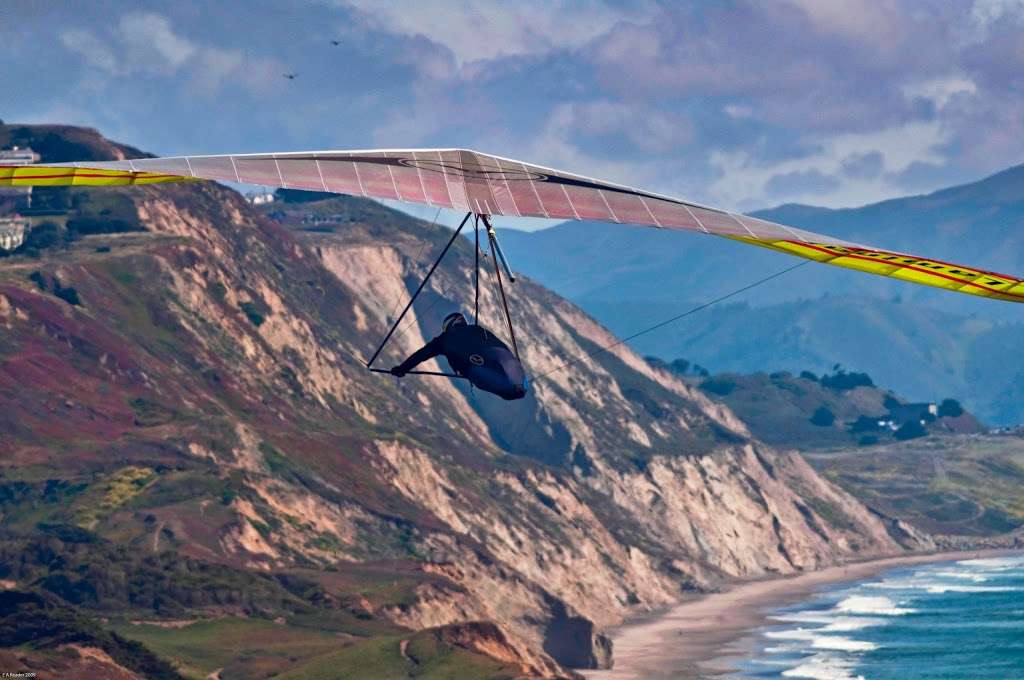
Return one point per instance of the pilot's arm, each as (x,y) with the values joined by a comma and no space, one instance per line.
(425,353)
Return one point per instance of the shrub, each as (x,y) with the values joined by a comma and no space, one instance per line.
(68,295)
(253,313)
(910,430)
(680,366)
(807,375)
(719,386)
(84,226)
(823,417)
(43,236)
(655,361)
(950,408)
(865,424)
(841,380)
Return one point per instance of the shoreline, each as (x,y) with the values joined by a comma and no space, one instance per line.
(684,641)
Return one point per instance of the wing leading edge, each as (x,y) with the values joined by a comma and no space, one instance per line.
(470,181)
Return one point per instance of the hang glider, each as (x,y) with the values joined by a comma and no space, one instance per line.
(483,184)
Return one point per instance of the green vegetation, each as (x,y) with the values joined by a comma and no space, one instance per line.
(950,408)
(836,411)
(97,574)
(910,430)
(823,417)
(149,413)
(253,313)
(426,657)
(40,621)
(52,285)
(841,380)
(946,485)
(108,494)
(241,646)
(678,366)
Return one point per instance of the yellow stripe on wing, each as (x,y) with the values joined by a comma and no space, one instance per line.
(919,270)
(50,176)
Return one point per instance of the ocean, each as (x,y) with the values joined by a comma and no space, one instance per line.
(946,620)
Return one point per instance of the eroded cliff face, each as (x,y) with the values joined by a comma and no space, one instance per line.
(220,352)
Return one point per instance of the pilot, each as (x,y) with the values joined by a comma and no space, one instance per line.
(476,354)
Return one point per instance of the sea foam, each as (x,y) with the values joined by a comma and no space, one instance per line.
(872,606)
(823,667)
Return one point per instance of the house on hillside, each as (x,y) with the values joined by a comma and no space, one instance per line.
(18,155)
(899,415)
(260,198)
(12,232)
(922,412)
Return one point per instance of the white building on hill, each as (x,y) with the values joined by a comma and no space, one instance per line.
(12,232)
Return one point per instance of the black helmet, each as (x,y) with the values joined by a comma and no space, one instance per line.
(453,319)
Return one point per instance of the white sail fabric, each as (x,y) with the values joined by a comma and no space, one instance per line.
(463,180)
(491,185)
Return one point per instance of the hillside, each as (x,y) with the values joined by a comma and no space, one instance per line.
(838,410)
(192,454)
(949,486)
(923,341)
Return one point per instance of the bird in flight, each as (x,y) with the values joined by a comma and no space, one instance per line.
(290,76)
(335,42)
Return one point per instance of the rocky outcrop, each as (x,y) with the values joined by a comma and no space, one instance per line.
(226,346)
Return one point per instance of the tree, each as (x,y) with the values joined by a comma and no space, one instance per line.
(841,380)
(43,236)
(912,429)
(865,424)
(950,408)
(680,366)
(823,417)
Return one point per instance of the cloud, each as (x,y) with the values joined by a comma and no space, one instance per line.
(863,165)
(150,42)
(738,104)
(145,43)
(91,49)
(477,30)
(745,182)
(801,182)
(986,13)
(644,128)
(939,91)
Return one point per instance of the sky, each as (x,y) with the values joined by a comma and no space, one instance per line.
(741,105)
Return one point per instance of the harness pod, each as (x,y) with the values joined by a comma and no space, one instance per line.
(496,254)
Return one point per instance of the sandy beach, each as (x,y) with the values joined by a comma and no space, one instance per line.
(695,638)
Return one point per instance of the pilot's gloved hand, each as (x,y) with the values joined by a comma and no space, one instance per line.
(397,372)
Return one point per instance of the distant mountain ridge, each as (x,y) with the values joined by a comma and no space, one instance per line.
(917,340)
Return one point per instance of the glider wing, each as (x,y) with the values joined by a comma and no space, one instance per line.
(467,180)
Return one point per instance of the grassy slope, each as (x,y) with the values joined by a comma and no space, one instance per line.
(778,408)
(947,485)
(244,648)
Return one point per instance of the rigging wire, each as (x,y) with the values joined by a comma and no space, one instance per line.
(666,322)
